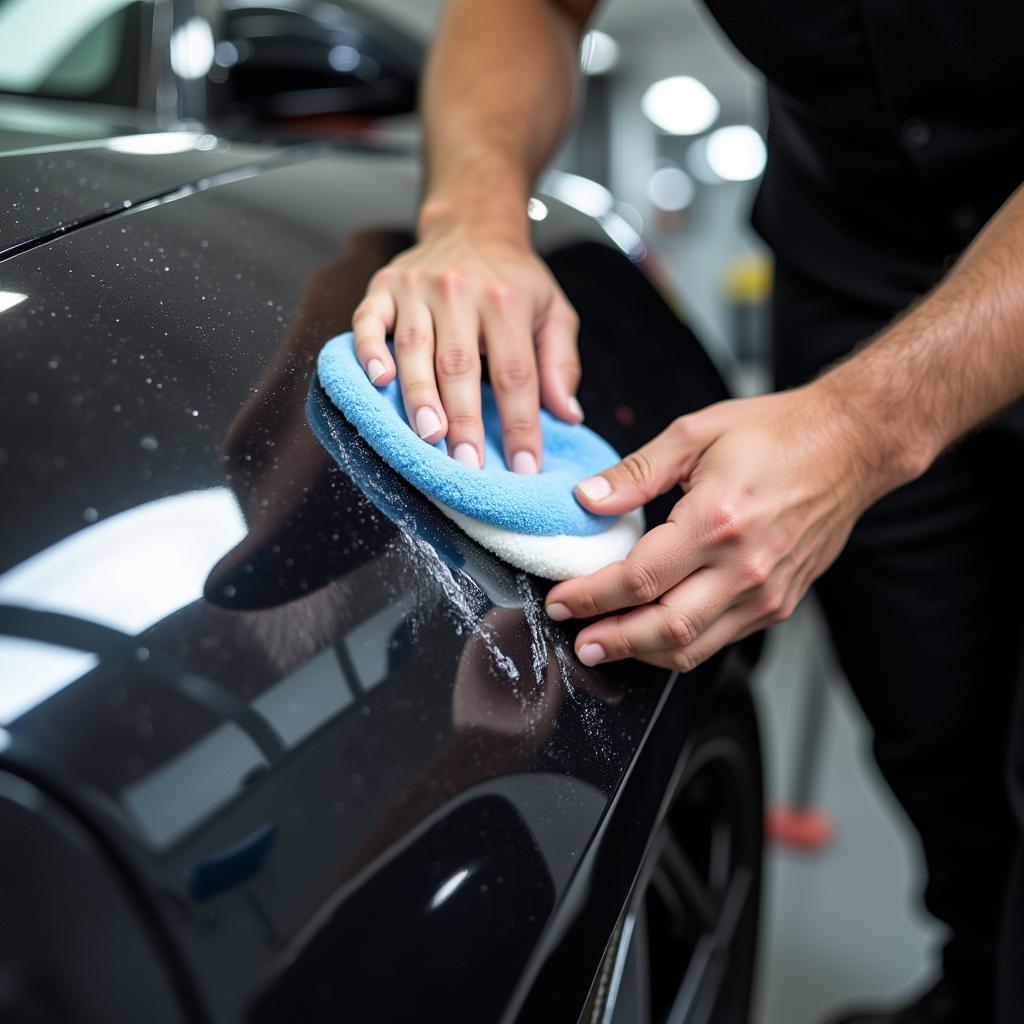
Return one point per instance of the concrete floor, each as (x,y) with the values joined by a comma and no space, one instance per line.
(847,924)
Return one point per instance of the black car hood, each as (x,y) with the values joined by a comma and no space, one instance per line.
(50,186)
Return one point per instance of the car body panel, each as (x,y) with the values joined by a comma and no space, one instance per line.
(308,717)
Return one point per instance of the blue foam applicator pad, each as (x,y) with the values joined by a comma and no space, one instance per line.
(541,505)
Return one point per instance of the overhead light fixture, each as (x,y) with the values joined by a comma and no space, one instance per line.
(599,53)
(697,162)
(680,105)
(192,48)
(670,188)
(735,153)
(344,58)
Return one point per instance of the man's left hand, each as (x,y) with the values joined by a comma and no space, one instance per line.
(772,487)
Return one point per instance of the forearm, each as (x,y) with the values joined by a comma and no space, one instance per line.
(953,361)
(498,96)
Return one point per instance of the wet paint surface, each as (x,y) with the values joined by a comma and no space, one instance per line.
(246,663)
(326,732)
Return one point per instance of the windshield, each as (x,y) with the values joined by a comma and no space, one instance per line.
(88,50)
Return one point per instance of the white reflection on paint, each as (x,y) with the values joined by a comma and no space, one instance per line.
(448,887)
(126,572)
(583,194)
(155,143)
(32,671)
(10,299)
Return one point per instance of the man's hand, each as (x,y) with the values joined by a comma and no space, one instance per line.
(455,295)
(773,486)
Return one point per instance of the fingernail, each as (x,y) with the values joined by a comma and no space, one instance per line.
(525,463)
(374,369)
(596,488)
(427,422)
(576,409)
(558,611)
(467,454)
(591,654)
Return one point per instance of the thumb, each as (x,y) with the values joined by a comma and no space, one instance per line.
(651,470)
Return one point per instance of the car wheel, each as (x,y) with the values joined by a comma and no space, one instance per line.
(683,951)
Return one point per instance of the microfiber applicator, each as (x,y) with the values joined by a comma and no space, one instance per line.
(532,522)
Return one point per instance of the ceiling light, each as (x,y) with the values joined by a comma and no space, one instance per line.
(680,105)
(736,153)
(697,162)
(344,58)
(192,48)
(599,53)
(670,188)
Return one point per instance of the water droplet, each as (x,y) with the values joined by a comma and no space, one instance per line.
(90,515)
(148,443)
(142,654)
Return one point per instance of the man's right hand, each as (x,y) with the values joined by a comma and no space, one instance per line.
(460,293)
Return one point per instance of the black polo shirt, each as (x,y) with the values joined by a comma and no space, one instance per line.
(896,130)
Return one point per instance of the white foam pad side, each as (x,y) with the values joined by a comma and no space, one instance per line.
(560,557)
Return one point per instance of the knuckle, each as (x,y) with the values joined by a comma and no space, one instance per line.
(362,312)
(726,525)
(457,362)
(788,607)
(512,375)
(570,369)
(501,295)
(624,644)
(640,470)
(587,605)
(518,428)
(409,338)
(418,391)
(450,283)
(685,661)
(680,629)
(771,604)
(680,429)
(755,572)
(412,278)
(463,422)
(640,582)
(383,278)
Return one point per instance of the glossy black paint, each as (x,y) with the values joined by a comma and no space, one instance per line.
(304,708)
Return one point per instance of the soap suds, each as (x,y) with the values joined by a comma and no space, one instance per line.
(466,602)
(537,623)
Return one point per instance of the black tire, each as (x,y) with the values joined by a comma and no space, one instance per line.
(685,949)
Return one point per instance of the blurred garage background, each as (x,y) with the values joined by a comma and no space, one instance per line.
(672,126)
